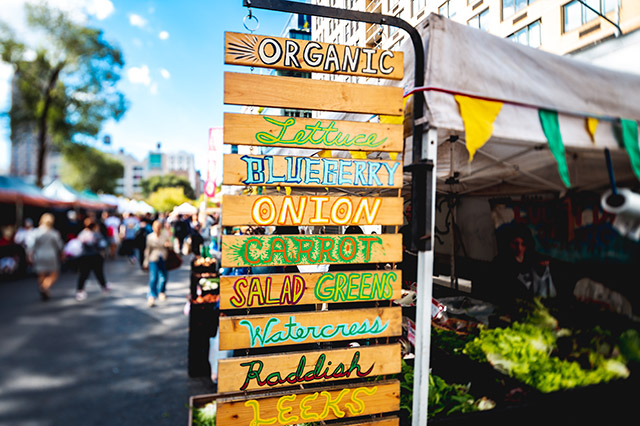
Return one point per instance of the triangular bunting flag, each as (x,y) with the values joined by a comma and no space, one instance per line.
(629,136)
(394,119)
(478,116)
(551,128)
(325,153)
(393,155)
(358,155)
(592,125)
(287,190)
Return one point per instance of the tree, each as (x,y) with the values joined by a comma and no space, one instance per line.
(153,183)
(68,90)
(89,168)
(165,199)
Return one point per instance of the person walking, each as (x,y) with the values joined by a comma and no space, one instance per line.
(90,258)
(45,250)
(155,255)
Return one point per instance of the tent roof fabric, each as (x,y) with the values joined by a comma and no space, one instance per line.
(516,159)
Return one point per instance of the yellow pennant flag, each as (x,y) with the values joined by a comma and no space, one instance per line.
(393,155)
(325,153)
(287,190)
(592,125)
(478,116)
(358,155)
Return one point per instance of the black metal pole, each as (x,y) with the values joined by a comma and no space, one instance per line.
(418,168)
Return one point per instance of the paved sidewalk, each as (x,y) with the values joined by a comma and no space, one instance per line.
(108,360)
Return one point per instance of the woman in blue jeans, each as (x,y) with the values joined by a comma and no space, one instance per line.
(155,256)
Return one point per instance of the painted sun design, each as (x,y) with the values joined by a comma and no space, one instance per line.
(244,49)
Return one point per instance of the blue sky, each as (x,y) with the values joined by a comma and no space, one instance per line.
(174,65)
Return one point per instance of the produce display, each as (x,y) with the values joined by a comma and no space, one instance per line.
(205,416)
(545,357)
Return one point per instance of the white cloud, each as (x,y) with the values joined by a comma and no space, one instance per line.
(139,75)
(163,35)
(137,20)
(101,9)
(166,74)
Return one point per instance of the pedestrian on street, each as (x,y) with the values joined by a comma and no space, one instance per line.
(45,250)
(91,259)
(155,256)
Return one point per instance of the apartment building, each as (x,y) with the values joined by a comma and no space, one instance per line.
(129,184)
(558,26)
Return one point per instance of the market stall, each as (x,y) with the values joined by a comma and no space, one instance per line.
(527,130)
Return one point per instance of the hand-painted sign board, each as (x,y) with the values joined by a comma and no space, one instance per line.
(285,170)
(267,210)
(259,291)
(282,250)
(311,56)
(300,368)
(260,331)
(293,132)
(305,93)
(309,405)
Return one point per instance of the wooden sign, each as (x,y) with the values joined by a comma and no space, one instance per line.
(310,405)
(300,368)
(285,170)
(281,250)
(259,331)
(310,56)
(266,210)
(305,93)
(294,132)
(382,421)
(259,291)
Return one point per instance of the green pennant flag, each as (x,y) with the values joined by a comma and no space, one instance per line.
(628,137)
(551,128)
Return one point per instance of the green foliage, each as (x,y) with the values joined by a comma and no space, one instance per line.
(86,167)
(165,199)
(629,344)
(205,416)
(154,183)
(523,351)
(68,90)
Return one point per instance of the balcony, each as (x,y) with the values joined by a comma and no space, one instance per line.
(374,6)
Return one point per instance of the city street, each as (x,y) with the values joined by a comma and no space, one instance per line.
(107,360)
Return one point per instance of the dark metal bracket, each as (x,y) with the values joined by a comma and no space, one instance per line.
(420,217)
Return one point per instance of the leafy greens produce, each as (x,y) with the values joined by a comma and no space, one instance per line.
(205,416)
(523,351)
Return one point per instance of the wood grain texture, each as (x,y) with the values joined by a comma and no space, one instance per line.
(305,93)
(259,372)
(271,52)
(295,132)
(241,332)
(310,405)
(266,210)
(284,170)
(259,291)
(281,250)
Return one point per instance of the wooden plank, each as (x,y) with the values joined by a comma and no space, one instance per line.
(267,210)
(259,331)
(382,421)
(259,291)
(305,93)
(310,405)
(286,170)
(281,250)
(301,368)
(295,132)
(311,56)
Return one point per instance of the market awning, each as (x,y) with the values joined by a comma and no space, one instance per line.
(472,71)
(14,189)
(60,191)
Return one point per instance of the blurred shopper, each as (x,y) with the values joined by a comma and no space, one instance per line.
(46,253)
(181,230)
(90,258)
(155,256)
(24,234)
(140,240)
(128,230)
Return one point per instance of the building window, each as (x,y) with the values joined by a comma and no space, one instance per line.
(575,14)
(509,7)
(481,20)
(529,35)
(448,9)
(418,5)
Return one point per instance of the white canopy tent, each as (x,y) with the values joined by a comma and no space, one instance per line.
(467,61)
(184,208)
